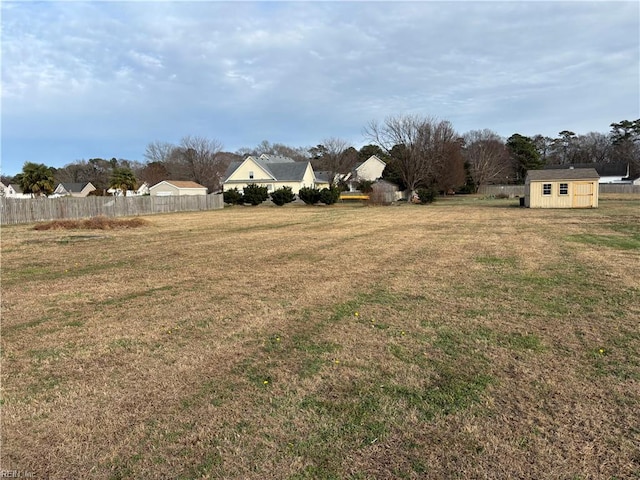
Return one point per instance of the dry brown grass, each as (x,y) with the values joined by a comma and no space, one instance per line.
(490,342)
(93,223)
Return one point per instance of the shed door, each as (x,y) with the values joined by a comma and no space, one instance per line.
(582,194)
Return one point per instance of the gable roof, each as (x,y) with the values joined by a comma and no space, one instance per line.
(181,184)
(371,158)
(73,187)
(16,187)
(563,174)
(603,169)
(288,170)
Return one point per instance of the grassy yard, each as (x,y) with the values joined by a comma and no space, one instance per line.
(465,339)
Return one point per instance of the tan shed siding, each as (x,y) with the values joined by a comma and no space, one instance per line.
(585,191)
(163,189)
(192,191)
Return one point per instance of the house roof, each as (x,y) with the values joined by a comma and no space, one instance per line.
(268,158)
(620,169)
(16,187)
(182,184)
(280,171)
(288,171)
(73,187)
(322,176)
(563,174)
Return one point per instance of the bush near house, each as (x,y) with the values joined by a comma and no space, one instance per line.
(233,197)
(309,195)
(255,194)
(283,195)
(329,196)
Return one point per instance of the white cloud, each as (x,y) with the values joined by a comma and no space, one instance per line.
(305,70)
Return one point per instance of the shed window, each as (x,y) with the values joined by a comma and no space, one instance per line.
(564,189)
(251,175)
(546,189)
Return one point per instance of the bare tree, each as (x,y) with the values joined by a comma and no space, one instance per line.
(450,173)
(419,146)
(158,151)
(299,154)
(486,156)
(594,148)
(198,159)
(335,156)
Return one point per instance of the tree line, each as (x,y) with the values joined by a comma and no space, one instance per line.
(420,152)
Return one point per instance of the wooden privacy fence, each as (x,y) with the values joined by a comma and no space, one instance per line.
(510,190)
(613,188)
(518,190)
(29,210)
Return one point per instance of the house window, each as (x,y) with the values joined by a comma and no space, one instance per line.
(546,189)
(251,175)
(564,189)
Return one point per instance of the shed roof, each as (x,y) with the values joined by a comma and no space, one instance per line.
(182,184)
(563,174)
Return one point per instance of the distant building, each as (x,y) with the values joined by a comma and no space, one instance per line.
(79,190)
(561,188)
(271,171)
(609,172)
(12,190)
(168,188)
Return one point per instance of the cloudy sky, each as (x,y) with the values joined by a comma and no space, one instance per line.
(104,79)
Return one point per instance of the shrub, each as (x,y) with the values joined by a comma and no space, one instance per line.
(329,196)
(365,186)
(283,195)
(233,197)
(255,194)
(309,195)
(426,195)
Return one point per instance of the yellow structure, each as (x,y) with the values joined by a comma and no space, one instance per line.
(271,171)
(561,188)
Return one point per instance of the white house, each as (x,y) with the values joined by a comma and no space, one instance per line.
(369,170)
(79,190)
(12,190)
(271,171)
(141,190)
(168,188)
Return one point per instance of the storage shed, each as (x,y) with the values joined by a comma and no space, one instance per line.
(570,188)
(168,188)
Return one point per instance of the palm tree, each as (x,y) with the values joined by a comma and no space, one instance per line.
(123,179)
(36,179)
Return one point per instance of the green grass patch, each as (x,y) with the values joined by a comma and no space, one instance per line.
(610,241)
(496,261)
